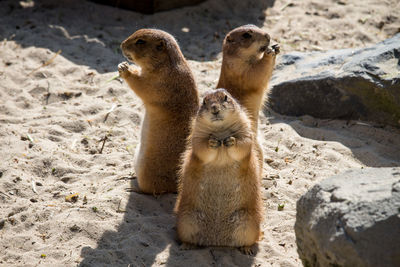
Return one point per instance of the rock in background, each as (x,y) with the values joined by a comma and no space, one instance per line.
(351,219)
(346,84)
(149,6)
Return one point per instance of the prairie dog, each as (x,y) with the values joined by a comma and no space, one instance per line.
(247,65)
(165,84)
(219,200)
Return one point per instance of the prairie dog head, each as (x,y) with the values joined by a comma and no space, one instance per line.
(151,49)
(218,108)
(246,42)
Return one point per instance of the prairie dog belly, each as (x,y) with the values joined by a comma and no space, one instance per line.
(218,200)
(220,185)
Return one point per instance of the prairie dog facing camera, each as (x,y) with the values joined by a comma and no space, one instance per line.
(219,199)
(165,84)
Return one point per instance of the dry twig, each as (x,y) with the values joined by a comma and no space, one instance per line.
(119,206)
(108,112)
(48,62)
(33,186)
(104,142)
(5,194)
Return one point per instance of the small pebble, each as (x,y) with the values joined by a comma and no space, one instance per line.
(75,228)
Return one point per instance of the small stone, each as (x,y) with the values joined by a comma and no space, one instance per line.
(72,198)
(12,221)
(84,142)
(281,206)
(65,179)
(75,228)
(84,202)
(268,161)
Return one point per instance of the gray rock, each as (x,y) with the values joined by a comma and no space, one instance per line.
(149,6)
(351,219)
(349,84)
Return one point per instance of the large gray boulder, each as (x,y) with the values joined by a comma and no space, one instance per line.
(351,219)
(149,6)
(348,84)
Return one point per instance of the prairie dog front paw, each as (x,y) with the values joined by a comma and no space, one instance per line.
(123,69)
(276,48)
(213,142)
(273,51)
(229,141)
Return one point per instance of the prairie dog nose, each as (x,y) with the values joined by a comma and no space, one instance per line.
(214,109)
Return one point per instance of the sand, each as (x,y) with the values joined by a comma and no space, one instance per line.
(53,123)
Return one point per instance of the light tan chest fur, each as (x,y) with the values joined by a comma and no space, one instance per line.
(219,191)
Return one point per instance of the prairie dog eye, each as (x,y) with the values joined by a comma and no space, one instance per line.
(140,42)
(226,98)
(204,101)
(246,35)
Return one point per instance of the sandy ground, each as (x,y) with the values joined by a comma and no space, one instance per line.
(53,121)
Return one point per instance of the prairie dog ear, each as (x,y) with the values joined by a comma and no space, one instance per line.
(161,45)
(229,39)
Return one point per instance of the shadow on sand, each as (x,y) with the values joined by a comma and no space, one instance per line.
(382,151)
(147,237)
(98,30)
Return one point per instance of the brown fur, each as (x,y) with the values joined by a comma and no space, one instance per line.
(247,65)
(165,84)
(219,201)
